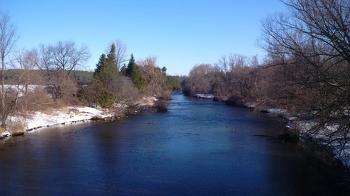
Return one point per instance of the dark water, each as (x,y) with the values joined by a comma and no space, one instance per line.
(197,148)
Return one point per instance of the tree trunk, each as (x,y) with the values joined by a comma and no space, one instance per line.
(3,112)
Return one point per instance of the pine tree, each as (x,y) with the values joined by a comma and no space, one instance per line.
(137,79)
(123,70)
(106,75)
(133,71)
(164,70)
(106,69)
(111,57)
(131,66)
(100,65)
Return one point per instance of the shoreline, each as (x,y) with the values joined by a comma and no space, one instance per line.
(295,131)
(70,115)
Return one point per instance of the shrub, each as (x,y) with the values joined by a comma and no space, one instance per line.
(105,99)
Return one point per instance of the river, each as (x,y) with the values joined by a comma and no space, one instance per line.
(199,147)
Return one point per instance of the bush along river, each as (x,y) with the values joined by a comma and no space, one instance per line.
(198,147)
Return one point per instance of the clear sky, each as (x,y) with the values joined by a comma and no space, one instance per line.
(180,33)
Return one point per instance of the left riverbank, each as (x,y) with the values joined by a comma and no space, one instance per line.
(21,124)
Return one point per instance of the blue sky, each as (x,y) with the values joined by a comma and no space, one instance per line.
(180,33)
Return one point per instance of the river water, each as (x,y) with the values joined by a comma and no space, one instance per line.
(199,147)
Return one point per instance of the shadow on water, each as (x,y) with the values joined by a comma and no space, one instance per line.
(197,148)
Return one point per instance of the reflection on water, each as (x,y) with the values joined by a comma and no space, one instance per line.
(197,148)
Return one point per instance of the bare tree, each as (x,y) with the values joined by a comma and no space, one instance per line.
(26,62)
(238,75)
(154,78)
(148,61)
(7,41)
(313,45)
(120,53)
(58,61)
(200,79)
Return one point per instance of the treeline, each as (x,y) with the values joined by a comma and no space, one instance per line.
(306,70)
(240,80)
(82,78)
(12,75)
(235,78)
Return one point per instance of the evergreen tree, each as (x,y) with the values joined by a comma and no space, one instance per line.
(106,69)
(134,72)
(111,57)
(123,70)
(131,66)
(137,79)
(105,77)
(100,65)
(164,70)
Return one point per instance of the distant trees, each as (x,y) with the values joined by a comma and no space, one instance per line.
(242,76)
(200,80)
(232,78)
(174,82)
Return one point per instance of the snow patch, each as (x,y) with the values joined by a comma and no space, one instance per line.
(146,101)
(21,88)
(65,115)
(342,152)
(204,96)
(5,134)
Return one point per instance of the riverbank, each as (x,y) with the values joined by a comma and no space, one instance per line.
(19,125)
(305,130)
(296,129)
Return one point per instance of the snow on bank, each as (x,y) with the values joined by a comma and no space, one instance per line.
(326,136)
(251,105)
(21,88)
(146,101)
(204,96)
(65,116)
(5,134)
(321,136)
(305,128)
(69,115)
